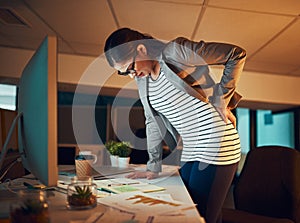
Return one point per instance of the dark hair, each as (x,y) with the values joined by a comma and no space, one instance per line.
(122,43)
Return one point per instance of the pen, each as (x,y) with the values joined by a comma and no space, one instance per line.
(105,190)
(122,184)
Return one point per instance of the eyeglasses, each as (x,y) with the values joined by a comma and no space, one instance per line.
(130,70)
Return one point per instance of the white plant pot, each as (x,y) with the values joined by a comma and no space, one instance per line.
(114,160)
(124,161)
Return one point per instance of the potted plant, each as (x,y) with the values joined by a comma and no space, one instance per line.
(112,149)
(120,151)
(124,151)
(81,195)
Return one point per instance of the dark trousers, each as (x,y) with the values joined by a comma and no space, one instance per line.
(208,186)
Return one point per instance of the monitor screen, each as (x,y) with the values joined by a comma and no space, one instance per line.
(8,97)
(37,102)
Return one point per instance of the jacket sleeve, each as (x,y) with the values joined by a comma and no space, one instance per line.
(154,138)
(154,144)
(158,130)
(187,55)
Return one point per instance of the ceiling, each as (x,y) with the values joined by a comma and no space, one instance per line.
(269,30)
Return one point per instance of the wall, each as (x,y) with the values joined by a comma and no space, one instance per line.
(263,87)
(96,72)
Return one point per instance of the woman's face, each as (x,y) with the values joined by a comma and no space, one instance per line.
(139,65)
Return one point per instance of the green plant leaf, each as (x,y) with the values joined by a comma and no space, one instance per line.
(121,149)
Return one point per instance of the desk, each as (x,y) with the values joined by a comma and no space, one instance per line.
(173,184)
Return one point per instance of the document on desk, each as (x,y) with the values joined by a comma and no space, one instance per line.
(122,185)
(139,202)
(113,216)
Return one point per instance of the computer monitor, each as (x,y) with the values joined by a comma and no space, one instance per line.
(37,114)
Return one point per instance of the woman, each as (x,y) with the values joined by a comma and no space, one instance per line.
(180,98)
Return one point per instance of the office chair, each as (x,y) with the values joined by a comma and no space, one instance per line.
(268,188)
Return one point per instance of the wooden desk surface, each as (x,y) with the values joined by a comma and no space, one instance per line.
(172,182)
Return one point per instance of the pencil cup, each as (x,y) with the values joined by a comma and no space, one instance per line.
(88,155)
(83,163)
(83,168)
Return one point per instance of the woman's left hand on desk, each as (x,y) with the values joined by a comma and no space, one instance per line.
(142,174)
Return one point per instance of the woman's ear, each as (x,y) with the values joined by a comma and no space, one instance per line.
(141,49)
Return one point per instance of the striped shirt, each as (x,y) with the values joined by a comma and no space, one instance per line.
(205,136)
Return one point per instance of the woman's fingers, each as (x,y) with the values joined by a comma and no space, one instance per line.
(137,174)
(226,115)
(142,174)
(231,117)
(151,175)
